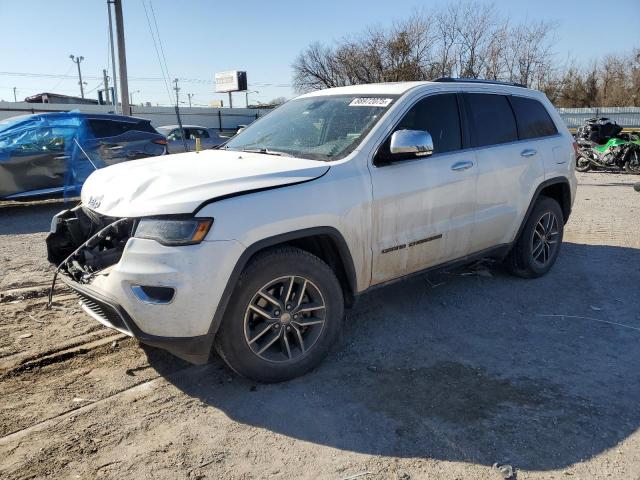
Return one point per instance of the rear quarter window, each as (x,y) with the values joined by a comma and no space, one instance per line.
(144,127)
(491,119)
(533,119)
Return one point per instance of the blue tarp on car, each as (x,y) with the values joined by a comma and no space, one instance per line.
(44,151)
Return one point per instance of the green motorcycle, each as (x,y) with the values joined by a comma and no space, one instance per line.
(602,145)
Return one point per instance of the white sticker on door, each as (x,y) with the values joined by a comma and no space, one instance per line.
(370,102)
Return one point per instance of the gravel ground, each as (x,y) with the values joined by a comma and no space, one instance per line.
(438,377)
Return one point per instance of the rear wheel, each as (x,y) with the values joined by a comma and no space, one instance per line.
(538,246)
(632,165)
(283,317)
(583,164)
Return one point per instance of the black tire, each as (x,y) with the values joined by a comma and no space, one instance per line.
(632,165)
(525,259)
(583,164)
(236,342)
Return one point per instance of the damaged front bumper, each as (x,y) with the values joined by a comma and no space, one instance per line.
(109,313)
(165,296)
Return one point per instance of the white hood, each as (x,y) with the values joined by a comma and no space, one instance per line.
(180,183)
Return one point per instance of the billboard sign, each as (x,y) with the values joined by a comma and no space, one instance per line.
(231,81)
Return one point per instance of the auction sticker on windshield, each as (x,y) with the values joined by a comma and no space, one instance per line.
(370,102)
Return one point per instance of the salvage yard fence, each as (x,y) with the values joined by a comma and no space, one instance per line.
(223,119)
(626,117)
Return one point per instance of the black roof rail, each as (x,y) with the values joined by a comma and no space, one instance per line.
(478,80)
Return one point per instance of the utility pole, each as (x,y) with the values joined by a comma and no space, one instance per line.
(177,89)
(122,58)
(113,59)
(246,93)
(230,101)
(77,61)
(131,96)
(14,95)
(190,95)
(106,86)
(177,107)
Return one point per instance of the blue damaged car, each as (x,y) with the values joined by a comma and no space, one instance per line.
(52,154)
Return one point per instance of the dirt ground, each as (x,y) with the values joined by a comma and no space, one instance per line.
(438,377)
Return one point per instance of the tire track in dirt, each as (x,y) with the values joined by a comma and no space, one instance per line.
(52,421)
(52,386)
(56,355)
(25,292)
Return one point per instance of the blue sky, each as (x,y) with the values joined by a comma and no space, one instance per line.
(262,37)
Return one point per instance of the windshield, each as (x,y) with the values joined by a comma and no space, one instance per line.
(318,128)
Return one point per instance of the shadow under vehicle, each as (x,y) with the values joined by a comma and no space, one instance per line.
(458,367)
(50,154)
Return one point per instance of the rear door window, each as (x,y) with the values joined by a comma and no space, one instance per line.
(143,126)
(113,128)
(491,119)
(107,128)
(533,119)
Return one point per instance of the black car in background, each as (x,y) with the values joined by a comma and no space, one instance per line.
(54,153)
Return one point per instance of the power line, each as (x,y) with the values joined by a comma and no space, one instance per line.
(165,76)
(141,79)
(60,81)
(94,88)
(166,68)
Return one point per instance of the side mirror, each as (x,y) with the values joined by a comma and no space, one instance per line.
(411,143)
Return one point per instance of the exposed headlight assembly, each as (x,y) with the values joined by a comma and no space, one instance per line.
(174,231)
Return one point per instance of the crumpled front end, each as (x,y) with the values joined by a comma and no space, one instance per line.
(82,243)
(164,296)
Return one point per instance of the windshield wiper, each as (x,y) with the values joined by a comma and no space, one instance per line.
(267,151)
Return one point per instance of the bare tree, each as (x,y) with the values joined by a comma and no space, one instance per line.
(277,101)
(529,54)
(468,39)
(446,26)
(316,68)
(474,37)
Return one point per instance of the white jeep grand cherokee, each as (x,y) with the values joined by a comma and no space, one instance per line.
(257,247)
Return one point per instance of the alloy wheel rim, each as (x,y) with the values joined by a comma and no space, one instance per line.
(284,319)
(545,238)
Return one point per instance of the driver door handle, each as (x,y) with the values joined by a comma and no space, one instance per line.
(459,166)
(529,152)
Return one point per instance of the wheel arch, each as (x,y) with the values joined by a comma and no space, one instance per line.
(557,188)
(326,242)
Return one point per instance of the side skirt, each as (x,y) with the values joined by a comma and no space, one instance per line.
(499,252)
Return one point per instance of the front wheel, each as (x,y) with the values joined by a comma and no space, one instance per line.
(284,316)
(583,164)
(538,246)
